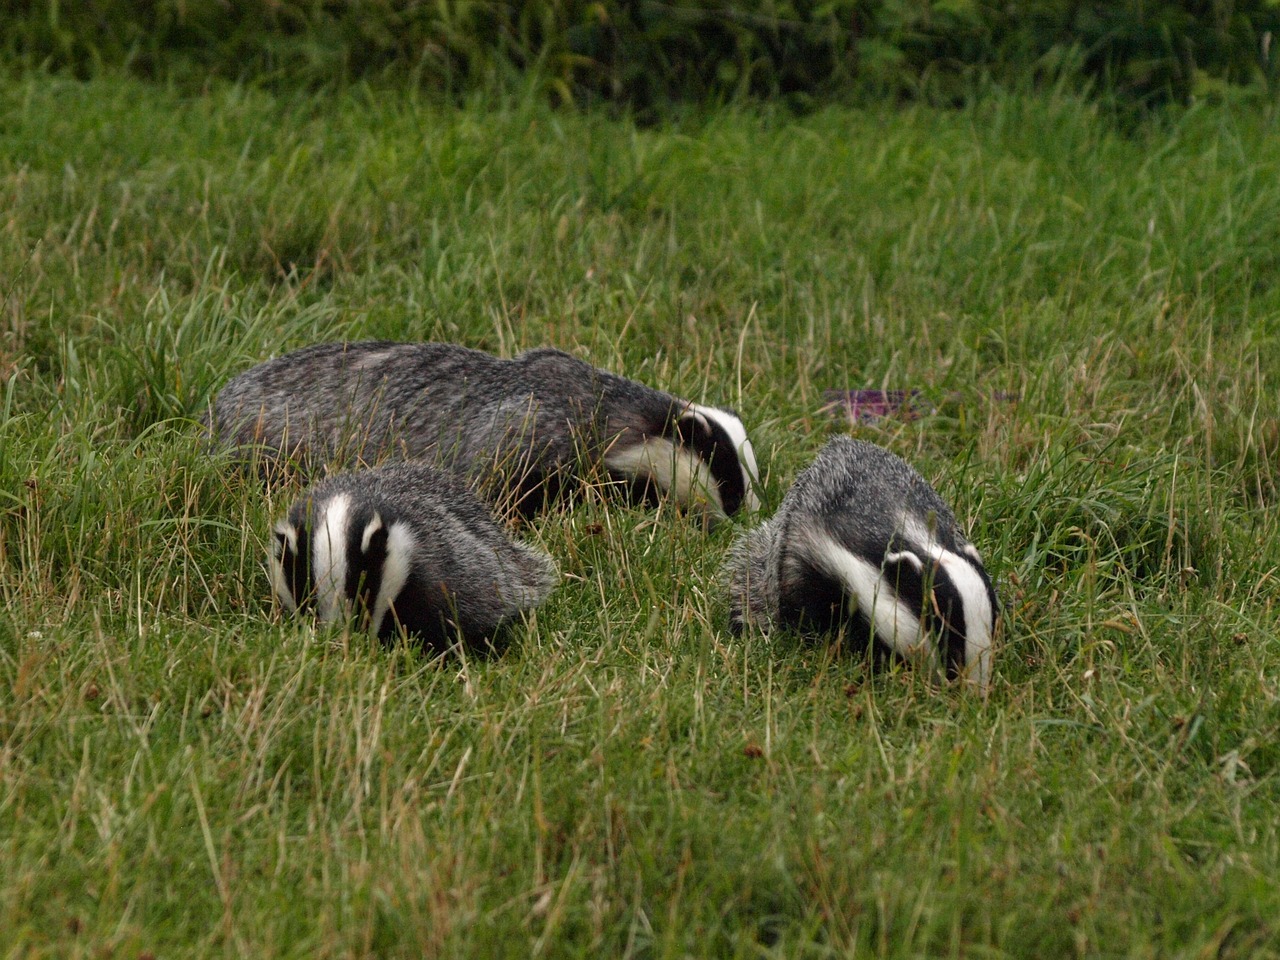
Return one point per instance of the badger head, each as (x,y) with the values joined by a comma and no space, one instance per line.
(919,599)
(342,559)
(948,586)
(956,608)
(701,458)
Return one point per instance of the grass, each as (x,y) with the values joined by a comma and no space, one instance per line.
(1094,314)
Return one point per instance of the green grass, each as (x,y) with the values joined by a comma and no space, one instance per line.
(1094,313)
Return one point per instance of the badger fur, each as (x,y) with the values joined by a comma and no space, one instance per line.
(862,542)
(404,546)
(518,429)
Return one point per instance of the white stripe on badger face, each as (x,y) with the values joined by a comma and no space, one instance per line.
(966,572)
(674,469)
(280,584)
(742,446)
(894,622)
(395,571)
(330,552)
(979,617)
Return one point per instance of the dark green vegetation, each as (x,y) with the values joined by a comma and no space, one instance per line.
(648,53)
(1095,315)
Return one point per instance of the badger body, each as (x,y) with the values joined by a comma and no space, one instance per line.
(520,430)
(404,546)
(862,543)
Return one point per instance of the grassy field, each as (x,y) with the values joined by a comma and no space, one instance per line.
(1093,314)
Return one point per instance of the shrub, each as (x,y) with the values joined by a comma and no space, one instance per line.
(644,53)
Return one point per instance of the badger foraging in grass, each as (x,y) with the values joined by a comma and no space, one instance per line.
(521,430)
(862,542)
(404,546)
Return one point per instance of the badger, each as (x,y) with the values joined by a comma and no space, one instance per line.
(523,431)
(404,547)
(861,542)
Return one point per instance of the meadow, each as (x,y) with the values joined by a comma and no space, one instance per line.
(1090,308)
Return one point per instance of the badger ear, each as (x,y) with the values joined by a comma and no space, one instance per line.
(907,557)
(373,542)
(905,572)
(694,431)
(284,538)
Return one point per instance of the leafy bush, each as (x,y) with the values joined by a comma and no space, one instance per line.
(645,52)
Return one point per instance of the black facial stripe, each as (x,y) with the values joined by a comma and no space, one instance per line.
(946,615)
(929,592)
(714,447)
(941,607)
(297,568)
(726,469)
(365,567)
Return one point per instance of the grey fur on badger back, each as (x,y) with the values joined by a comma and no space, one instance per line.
(862,542)
(518,428)
(404,546)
